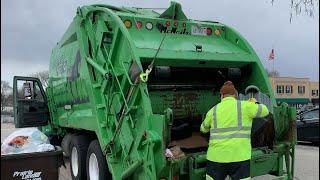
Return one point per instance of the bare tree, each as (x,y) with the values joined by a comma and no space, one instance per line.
(274,73)
(306,7)
(43,76)
(6,94)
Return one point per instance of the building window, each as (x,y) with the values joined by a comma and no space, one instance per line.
(280,89)
(315,92)
(289,89)
(301,89)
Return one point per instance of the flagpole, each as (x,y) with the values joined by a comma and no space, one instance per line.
(273,70)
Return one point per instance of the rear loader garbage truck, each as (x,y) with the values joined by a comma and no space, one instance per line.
(129,88)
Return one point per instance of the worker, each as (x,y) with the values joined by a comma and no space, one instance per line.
(229,123)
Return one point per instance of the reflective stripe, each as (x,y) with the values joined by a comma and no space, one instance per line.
(229,136)
(215,117)
(219,130)
(230,129)
(239,114)
(259,111)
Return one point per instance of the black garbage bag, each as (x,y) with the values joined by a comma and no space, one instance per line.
(180,130)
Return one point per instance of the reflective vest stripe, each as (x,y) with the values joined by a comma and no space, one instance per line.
(236,135)
(215,130)
(259,111)
(239,114)
(214,117)
(219,130)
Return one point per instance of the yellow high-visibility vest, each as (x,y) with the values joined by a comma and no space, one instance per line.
(229,123)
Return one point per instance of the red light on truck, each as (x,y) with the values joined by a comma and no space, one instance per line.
(209,31)
(139,24)
(168,23)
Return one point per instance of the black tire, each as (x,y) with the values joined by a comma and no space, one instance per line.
(94,148)
(65,144)
(81,144)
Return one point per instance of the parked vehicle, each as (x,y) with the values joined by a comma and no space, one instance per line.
(122,81)
(308,126)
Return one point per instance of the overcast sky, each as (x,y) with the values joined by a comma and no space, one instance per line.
(30,29)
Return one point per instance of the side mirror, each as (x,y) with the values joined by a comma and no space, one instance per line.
(27,90)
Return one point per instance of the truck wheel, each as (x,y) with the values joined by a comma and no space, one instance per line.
(97,167)
(65,144)
(78,152)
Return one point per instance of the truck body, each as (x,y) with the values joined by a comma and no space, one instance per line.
(134,80)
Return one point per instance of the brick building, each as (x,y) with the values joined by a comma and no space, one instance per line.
(295,91)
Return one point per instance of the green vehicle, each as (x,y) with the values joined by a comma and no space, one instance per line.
(128,85)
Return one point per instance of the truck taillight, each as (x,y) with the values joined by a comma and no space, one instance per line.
(139,24)
(149,25)
(217,32)
(174,178)
(127,23)
(209,31)
(168,23)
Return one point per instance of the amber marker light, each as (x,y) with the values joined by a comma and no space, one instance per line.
(217,32)
(127,23)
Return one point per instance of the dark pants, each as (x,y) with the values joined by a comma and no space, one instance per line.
(236,170)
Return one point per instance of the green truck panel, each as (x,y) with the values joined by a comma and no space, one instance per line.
(95,89)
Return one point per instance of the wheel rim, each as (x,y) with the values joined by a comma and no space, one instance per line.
(93,167)
(74,161)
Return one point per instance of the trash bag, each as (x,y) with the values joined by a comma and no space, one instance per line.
(26,140)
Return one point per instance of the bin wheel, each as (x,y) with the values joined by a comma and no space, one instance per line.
(78,152)
(97,167)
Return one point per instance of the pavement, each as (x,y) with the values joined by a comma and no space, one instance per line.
(306,161)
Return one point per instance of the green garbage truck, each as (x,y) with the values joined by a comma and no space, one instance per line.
(129,87)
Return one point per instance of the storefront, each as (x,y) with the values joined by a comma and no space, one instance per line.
(294,102)
(315,101)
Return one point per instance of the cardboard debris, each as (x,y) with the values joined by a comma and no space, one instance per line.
(195,141)
(177,152)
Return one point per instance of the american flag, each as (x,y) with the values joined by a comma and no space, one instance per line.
(271,55)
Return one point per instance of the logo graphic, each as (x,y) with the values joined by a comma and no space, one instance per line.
(28,175)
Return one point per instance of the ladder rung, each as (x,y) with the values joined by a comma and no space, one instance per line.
(100,106)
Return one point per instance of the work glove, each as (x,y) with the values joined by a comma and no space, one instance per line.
(253,100)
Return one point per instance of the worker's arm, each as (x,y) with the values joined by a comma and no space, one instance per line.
(257,110)
(206,124)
